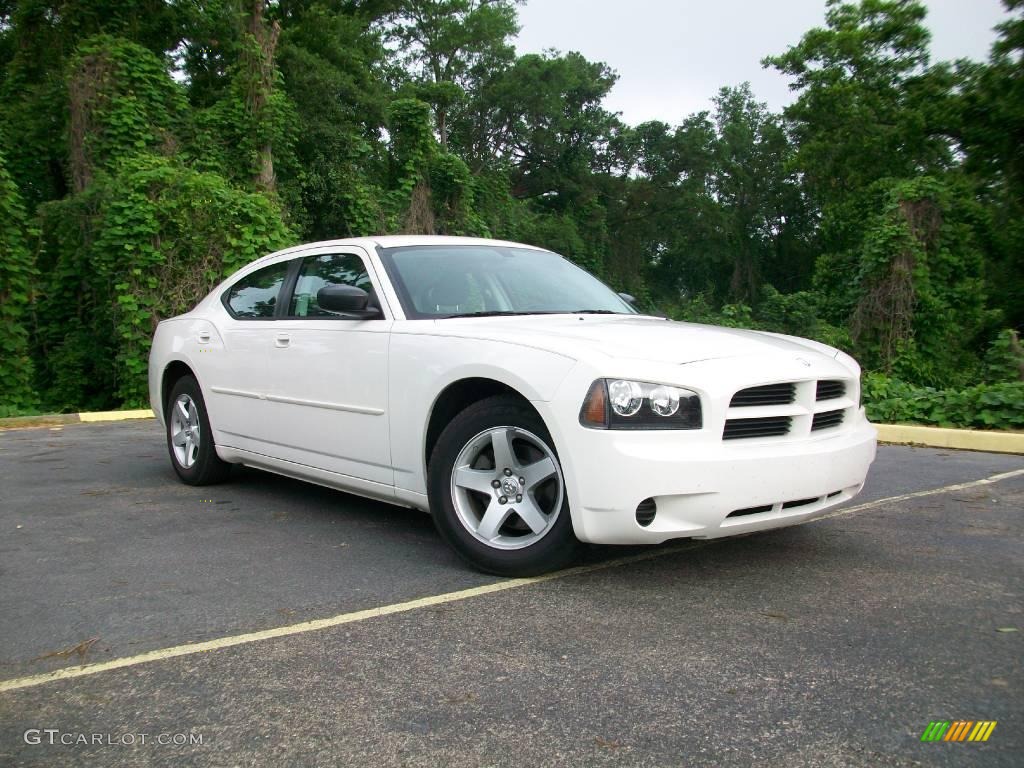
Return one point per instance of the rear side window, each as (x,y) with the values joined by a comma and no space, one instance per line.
(255,295)
(319,272)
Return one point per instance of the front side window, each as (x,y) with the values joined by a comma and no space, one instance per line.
(319,272)
(255,295)
(435,281)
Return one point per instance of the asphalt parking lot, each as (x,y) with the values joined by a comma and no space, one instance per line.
(833,643)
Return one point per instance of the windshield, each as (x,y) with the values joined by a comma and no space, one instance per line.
(436,281)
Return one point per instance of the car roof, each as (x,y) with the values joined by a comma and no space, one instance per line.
(396,241)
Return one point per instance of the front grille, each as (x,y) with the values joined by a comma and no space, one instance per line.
(831,389)
(769,394)
(827,419)
(769,426)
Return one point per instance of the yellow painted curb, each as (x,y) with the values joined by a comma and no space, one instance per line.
(142,413)
(60,419)
(962,439)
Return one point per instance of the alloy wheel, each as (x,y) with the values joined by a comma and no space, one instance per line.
(185,431)
(507,487)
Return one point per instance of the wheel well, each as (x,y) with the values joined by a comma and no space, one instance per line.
(172,373)
(456,398)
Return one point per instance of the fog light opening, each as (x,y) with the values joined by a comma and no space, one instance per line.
(645,512)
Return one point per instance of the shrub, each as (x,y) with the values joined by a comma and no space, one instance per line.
(984,406)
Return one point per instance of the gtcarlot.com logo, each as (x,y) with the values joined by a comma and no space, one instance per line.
(55,737)
(958,730)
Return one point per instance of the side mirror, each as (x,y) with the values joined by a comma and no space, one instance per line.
(348,301)
(631,300)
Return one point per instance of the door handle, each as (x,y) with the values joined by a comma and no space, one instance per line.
(282,340)
(204,337)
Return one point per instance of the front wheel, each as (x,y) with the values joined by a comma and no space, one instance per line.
(497,493)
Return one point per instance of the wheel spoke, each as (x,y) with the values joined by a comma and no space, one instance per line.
(474,479)
(494,517)
(538,472)
(193,416)
(182,411)
(504,456)
(531,514)
(178,438)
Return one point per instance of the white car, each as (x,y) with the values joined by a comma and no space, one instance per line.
(514,396)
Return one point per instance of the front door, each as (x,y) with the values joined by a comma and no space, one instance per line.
(328,375)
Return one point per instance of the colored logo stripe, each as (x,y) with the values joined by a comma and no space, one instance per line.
(982,730)
(958,730)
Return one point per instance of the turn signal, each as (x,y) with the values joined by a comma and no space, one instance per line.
(595,406)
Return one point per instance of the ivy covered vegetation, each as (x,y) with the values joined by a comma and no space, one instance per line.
(148,148)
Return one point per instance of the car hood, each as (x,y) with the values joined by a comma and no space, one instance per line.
(629,337)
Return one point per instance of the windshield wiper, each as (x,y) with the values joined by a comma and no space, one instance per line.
(490,313)
(506,313)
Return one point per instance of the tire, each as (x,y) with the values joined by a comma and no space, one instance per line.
(524,534)
(194,458)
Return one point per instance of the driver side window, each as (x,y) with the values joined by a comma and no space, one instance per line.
(319,272)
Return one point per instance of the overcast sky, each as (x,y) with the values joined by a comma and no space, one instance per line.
(672,56)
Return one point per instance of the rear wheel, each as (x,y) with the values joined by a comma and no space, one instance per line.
(497,493)
(189,437)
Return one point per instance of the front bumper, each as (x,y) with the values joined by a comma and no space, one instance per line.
(703,486)
(696,491)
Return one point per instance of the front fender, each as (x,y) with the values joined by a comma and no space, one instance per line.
(423,366)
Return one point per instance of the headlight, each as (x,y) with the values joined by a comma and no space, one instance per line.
(625,404)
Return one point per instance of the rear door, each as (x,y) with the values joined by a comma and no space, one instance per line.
(235,373)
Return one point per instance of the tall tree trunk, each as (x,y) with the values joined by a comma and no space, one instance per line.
(259,86)
(744,283)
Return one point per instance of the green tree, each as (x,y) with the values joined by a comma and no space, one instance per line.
(449,44)
(915,300)
(333,65)
(37,44)
(869,107)
(758,195)
(121,102)
(17,277)
(133,248)
(991,134)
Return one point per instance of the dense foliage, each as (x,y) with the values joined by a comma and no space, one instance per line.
(149,148)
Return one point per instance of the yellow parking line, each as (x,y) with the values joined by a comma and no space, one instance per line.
(333,621)
(918,494)
(424,602)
